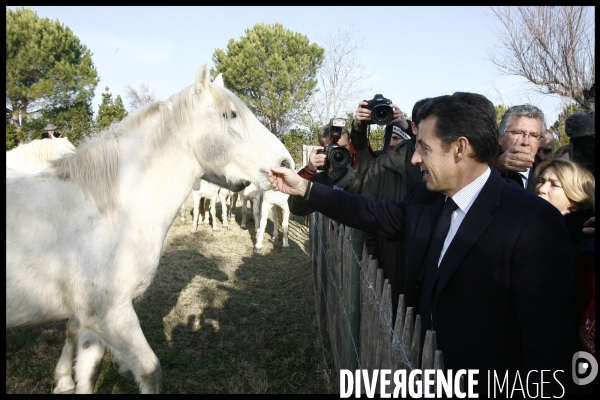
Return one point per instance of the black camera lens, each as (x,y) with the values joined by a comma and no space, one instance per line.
(382,115)
(339,157)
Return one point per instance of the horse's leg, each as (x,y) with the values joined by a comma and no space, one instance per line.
(197,199)
(124,336)
(90,352)
(275,218)
(122,366)
(244,211)
(205,210)
(233,199)
(223,200)
(284,228)
(256,205)
(213,212)
(260,229)
(63,374)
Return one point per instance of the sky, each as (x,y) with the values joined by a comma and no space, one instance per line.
(410,52)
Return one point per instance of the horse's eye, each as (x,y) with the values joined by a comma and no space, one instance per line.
(233,114)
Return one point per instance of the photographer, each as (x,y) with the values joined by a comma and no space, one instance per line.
(388,114)
(319,169)
(392,177)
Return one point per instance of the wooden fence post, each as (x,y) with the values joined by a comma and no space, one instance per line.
(353,246)
(355,307)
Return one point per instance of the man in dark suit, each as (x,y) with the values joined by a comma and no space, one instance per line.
(498,286)
(521,129)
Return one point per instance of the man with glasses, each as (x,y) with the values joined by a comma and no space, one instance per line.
(521,130)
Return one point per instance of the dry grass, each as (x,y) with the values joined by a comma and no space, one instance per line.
(220,319)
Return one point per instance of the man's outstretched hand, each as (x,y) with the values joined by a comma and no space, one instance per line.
(287,181)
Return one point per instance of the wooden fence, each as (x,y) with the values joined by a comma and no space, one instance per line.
(354,306)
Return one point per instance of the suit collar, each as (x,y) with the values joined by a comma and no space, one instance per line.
(476,221)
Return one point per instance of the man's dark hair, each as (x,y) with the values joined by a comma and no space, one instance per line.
(416,108)
(325,133)
(465,114)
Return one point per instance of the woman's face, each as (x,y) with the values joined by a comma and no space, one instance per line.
(549,188)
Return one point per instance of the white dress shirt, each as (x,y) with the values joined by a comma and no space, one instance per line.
(464,199)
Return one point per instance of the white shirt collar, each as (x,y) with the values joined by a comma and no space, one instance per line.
(465,197)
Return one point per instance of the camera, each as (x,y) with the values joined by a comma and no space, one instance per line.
(381,111)
(337,156)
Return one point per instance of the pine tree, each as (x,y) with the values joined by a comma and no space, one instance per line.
(273,70)
(109,111)
(47,67)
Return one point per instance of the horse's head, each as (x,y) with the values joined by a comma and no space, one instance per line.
(233,147)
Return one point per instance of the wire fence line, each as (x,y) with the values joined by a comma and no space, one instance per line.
(354,306)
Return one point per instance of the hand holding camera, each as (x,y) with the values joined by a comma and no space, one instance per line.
(335,155)
(316,160)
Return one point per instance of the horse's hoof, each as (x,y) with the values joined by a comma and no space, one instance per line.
(193,231)
(286,248)
(258,250)
(275,240)
(244,227)
(65,386)
(215,229)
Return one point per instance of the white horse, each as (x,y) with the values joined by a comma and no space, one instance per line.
(253,195)
(277,202)
(205,196)
(36,155)
(112,203)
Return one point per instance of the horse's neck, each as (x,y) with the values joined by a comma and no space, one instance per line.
(154,181)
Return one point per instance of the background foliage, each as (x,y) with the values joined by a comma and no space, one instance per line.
(272,69)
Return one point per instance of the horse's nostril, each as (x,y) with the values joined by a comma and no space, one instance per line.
(286,164)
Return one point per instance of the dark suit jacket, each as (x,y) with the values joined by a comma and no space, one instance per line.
(505,299)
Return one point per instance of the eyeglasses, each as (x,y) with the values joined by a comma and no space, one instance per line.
(532,135)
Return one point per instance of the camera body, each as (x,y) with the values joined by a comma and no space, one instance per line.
(381,111)
(337,156)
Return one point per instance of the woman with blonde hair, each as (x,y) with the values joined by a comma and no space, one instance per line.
(571,189)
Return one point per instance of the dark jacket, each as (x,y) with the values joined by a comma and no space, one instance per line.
(574,222)
(505,300)
(392,177)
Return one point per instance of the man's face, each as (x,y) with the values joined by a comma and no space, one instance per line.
(546,145)
(440,167)
(522,124)
(394,141)
(326,141)
(344,141)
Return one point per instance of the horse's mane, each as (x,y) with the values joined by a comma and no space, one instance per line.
(95,165)
(37,153)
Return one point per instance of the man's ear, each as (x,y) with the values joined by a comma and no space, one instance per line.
(463,147)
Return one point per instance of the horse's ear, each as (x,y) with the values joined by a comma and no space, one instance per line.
(219,80)
(202,79)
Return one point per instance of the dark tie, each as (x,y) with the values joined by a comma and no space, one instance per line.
(431,269)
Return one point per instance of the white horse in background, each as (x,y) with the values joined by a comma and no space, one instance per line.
(277,203)
(36,155)
(205,196)
(253,195)
(112,203)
